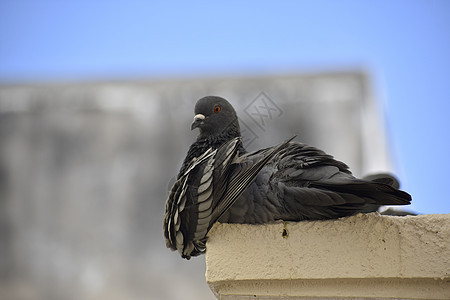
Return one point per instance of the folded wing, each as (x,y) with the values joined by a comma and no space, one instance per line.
(207,189)
(313,185)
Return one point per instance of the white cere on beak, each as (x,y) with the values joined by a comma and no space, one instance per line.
(199,117)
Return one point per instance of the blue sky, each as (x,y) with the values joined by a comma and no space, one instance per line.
(405,45)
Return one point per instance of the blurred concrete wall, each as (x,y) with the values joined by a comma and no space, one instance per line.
(85,170)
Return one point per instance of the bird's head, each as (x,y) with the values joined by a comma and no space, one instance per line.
(214,116)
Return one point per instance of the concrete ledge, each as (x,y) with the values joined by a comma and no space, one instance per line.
(364,256)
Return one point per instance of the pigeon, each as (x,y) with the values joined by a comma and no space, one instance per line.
(220,181)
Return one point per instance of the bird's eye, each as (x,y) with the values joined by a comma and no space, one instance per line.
(217,109)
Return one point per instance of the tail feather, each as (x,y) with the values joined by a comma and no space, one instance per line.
(385,178)
(380,193)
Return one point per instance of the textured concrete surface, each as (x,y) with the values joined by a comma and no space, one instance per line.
(359,256)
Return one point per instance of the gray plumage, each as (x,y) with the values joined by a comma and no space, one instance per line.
(220,181)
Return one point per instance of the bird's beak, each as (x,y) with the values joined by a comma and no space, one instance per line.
(198,120)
